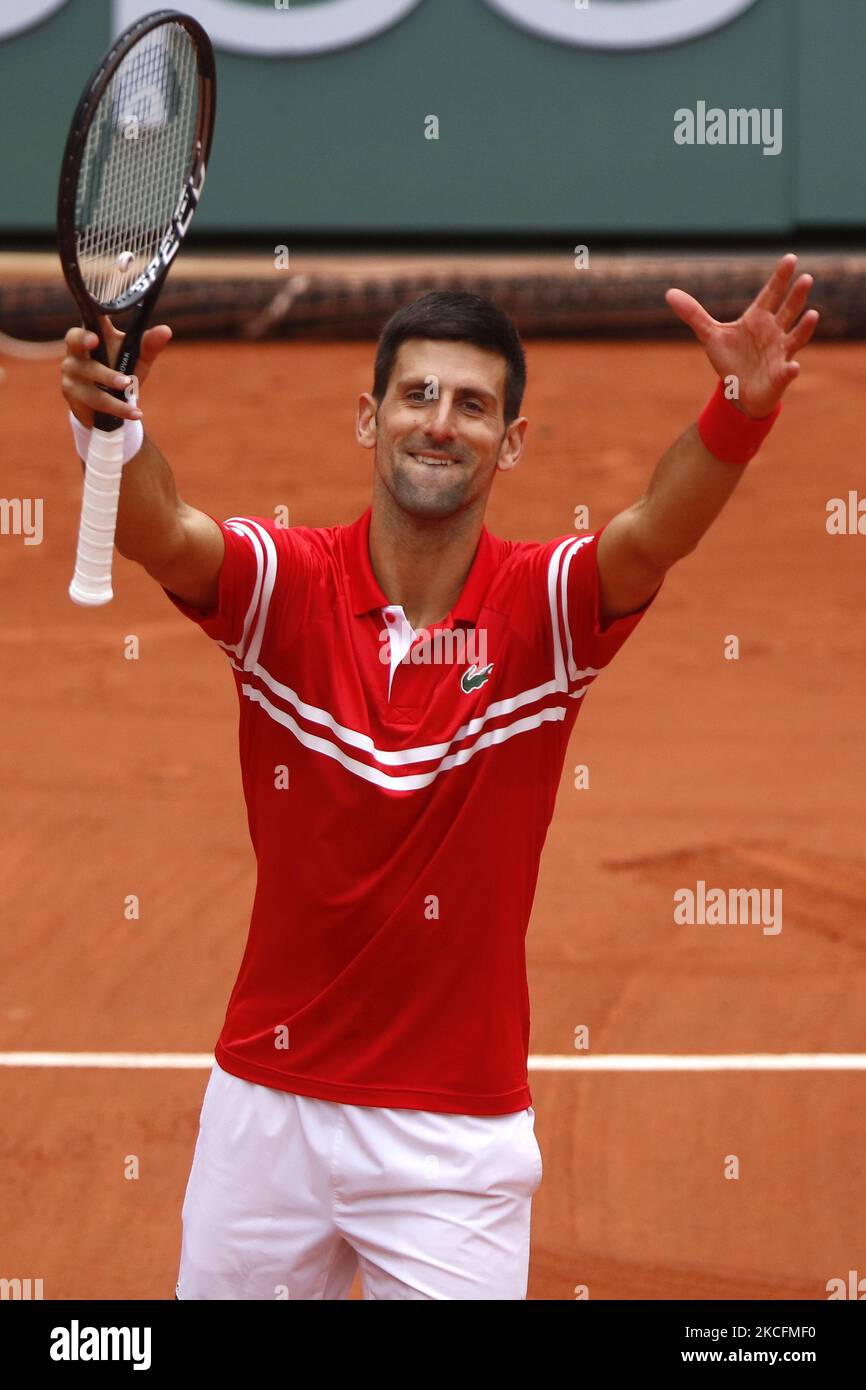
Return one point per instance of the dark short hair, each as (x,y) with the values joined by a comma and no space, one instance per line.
(454,316)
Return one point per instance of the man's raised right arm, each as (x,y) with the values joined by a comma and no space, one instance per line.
(180,547)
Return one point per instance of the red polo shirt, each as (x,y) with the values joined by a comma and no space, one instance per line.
(397,808)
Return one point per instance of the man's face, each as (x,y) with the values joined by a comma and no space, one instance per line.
(439,433)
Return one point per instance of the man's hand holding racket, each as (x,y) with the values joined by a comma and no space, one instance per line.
(180,546)
(82,375)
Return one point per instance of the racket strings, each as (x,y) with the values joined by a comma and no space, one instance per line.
(137,157)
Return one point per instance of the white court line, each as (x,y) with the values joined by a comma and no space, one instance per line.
(624,1061)
(702,1061)
(178,1061)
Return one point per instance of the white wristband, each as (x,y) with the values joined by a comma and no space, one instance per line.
(133,437)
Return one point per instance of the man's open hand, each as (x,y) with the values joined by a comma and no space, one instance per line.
(759,347)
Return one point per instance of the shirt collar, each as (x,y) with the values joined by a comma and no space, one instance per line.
(367,594)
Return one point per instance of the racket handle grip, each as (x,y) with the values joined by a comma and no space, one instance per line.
(91,582)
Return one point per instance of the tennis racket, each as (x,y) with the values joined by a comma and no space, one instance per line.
(132,174)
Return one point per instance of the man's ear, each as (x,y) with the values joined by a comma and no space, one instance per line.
(512,445)
(367,421)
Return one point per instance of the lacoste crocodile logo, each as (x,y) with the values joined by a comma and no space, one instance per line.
(473,678)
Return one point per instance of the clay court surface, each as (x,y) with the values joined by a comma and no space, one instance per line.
(121,777)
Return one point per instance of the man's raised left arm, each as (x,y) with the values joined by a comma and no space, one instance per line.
(754,358)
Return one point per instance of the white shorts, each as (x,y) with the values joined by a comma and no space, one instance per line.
(288,1196)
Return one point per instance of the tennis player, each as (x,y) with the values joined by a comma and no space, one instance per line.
(407,686)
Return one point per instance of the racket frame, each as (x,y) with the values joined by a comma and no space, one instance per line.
(91,583)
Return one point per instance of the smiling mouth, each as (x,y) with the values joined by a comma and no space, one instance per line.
(432,461)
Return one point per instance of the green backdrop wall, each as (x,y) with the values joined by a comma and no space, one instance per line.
(535,136)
